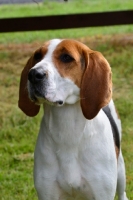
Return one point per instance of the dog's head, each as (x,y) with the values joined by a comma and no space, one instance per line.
(64,72)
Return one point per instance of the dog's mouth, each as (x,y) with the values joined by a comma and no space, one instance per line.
(39,99)
(40,95)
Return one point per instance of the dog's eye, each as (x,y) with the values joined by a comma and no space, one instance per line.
(66,58)
(37,56)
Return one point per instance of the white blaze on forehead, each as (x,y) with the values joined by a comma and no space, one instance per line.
(48,56)
(52,46)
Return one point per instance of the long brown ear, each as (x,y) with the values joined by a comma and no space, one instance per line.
(96,85)
(24,103)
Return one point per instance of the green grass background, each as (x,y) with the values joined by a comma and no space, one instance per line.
(18,132)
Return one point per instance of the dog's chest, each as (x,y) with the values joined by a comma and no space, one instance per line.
(68,148)
(71,177)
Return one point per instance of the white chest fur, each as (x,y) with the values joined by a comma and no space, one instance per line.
(70,150)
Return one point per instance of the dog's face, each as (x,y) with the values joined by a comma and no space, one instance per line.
(64,72)
(56,78)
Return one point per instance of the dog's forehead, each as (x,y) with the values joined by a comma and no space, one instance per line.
(72,46)
(52,46)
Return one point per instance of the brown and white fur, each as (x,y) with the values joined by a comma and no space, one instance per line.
(75,154)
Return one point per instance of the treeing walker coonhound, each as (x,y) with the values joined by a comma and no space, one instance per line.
(77,155)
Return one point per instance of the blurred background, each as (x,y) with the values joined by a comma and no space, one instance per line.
(18,132)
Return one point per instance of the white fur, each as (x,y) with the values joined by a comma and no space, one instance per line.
(75,158)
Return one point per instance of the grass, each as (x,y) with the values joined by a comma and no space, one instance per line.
(18,133)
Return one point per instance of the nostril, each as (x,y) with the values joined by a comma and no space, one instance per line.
(40,76)
(36,75)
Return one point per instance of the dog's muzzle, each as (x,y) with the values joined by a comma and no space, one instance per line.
(38,82)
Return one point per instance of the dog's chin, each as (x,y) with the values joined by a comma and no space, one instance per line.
(42,100)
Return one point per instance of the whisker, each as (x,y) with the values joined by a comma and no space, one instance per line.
(80,98)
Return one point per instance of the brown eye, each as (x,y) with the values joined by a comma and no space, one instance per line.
(66,58)
(38,56)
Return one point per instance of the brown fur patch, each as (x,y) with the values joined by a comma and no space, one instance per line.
(96,87)
(117,150)
(73,70)
(24,103)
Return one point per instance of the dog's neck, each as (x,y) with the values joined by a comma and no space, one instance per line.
(65,123)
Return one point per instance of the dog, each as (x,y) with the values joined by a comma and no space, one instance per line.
(78,153)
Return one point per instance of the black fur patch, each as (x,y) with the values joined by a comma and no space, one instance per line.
(114,127)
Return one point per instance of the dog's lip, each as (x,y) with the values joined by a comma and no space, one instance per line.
(40,99)
(35,100)
(59,102)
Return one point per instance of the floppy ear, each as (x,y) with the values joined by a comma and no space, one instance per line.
(96,85)
(24,103)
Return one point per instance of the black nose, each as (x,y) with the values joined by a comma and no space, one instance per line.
(36,75)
